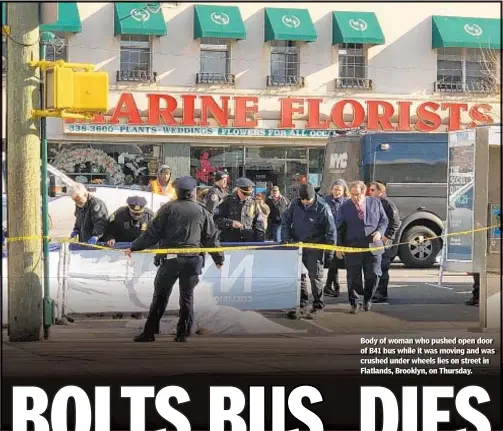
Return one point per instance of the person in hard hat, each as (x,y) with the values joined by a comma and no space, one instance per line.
(163,184)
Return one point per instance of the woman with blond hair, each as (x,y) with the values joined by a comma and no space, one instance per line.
(339,193)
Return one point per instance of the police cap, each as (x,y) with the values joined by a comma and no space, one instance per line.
(244,183)
(186,183)
(136,203)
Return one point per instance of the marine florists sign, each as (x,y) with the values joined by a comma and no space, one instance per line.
(190,114)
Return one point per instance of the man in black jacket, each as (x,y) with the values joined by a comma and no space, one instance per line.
(91,215)
(218,192)
(309,219)
(378,190)
(182,223)
(278,205)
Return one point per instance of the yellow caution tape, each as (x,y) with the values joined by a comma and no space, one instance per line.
(251,247)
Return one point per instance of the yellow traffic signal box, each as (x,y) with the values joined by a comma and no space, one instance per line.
(74,91)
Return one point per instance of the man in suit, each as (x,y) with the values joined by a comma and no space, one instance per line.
(361,223)
(378,190)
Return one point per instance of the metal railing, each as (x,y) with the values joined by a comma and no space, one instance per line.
(285,81)
(143,76)
(482,86)
(354,83)
(215,78)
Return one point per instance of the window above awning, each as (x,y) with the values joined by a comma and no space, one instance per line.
(144,19)
(289,24)
(222,22)
(68,19)
(466,32)
(356,27)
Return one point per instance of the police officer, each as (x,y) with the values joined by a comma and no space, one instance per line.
(378,190)
(129,221)
(182,223)
(91,215)
(309,219)
(218,192)
(238,217)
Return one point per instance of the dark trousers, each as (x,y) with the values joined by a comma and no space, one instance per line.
(332,279)
(313,261)
(382,289)
(275,230)
(186,269)
(476,285)
(371,266)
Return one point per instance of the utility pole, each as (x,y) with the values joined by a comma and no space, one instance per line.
(24,177)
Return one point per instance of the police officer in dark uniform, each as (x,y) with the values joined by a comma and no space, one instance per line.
(239,217)
(378,190)
(128,222)
(218,192)
(182,223)
(91,215)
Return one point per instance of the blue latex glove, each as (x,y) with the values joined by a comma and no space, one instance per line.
(93,240)
(74,233)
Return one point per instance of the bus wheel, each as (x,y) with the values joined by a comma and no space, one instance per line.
(419,252)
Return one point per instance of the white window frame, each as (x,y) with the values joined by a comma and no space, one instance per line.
(463,57)
(212,44)
(358,82)
(57,49)
(140,74)
(287,49)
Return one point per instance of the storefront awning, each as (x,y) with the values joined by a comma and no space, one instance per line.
(289,24)
(4,13)
(223,22)
(68,19)
(356,27)
(139,18)
(466,32)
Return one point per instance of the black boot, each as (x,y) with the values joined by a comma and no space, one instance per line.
(472,301)
(143,338)
(180,338)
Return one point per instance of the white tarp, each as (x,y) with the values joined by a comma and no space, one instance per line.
(97,281)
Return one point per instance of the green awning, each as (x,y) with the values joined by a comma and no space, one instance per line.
(223,22)
(68,19)
(4,13)
(139,18)
(356,27)
(289,24)
(462,32)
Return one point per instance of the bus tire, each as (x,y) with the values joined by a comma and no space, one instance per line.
(419,253)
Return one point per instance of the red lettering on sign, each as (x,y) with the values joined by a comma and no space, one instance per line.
(287,110)
(480,117)
(376,120)
(404,117)
(428,120)
(241,111)
(189,116)
(126,108)
(220,114)
(337,114)
(454,114)
(378,114)
(313,115)
(155,112)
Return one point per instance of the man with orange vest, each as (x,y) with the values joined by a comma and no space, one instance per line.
(163,184)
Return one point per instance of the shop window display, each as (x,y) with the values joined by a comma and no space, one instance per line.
(268,166)
(206,161)
(125,165)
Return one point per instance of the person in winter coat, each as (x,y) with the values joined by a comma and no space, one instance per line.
(278,205)
(339,193)
(264,208)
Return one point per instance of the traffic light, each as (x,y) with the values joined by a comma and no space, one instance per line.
(76,91)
